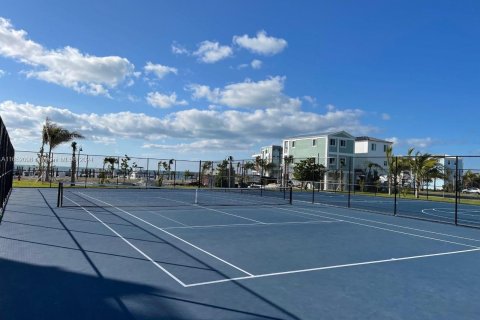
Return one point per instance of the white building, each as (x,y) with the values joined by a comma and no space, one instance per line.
(371,150)
(449,165)
(271,155)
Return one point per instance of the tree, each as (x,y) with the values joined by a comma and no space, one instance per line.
(221,179)
(111,161)
(308,170)
(248,166)
(74,164)
(391,168)
(371,175)
(207,166)
(54,135)
(423,166)
(125,169)
(471,179)
(230,175)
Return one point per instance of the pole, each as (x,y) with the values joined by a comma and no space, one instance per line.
(86,172)
(200,173)
(349,180)
(174,173)
(148,175)
(456,190)
(395,187)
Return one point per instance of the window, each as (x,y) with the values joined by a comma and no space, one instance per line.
(285,144)
(384,148)
(374,146)
(385,163)
(314,143)
(331,160)
(293,144)
(343,143)
(343,161)
(332,142)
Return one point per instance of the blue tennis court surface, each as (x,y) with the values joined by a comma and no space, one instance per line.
(258,261)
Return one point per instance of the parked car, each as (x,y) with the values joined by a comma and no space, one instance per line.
(471,190)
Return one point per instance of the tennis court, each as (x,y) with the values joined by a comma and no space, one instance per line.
(173,254)
(467,214)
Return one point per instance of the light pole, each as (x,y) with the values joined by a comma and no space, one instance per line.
(78,161)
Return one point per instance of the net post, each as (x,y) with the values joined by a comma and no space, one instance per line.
(291,195)
(457,194)
(196,196)
(59,194)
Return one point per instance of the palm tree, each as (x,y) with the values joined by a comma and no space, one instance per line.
(391,168)
(74,164)
(56,135)
(111,164)
(230,169)
(423,166)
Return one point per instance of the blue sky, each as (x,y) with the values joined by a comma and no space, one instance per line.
(209,79)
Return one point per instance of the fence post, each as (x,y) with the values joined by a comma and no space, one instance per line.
(148,174)
(174,173)
(118,168)
(200,174)
(349,180)
(395,186)
(86,172)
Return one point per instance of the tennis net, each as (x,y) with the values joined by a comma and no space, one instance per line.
(169,197)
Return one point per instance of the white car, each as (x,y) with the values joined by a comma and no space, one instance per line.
(471,190)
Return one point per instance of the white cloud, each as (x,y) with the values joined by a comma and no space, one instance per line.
(419,142)
(159,70)
(66,67)
(396,141)
(256,64)
(242,66)
(200,145)
(311,100)
(2,73)
(211,52)
(233,128)
(163,101)
(261,44)
(385,116)
(179,49)
(247,94)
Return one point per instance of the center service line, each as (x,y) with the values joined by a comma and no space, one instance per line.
(172,235)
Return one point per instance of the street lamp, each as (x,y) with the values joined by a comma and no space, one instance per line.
(78,161)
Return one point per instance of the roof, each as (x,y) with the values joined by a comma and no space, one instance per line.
(365,138)
(316,135)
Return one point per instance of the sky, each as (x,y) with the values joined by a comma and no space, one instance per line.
(211,79)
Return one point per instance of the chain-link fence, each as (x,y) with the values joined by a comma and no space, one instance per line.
(440,188)
(7,154)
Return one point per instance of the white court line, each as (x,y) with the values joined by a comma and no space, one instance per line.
(206,208)
(380,228)
(252,224)
(332,267)
(131,245)
(383,223)
(172,235)
(161,215)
